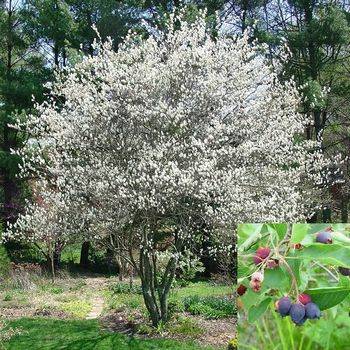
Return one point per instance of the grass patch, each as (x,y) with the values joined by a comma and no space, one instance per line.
(202,289)
(77,308)
(52,334)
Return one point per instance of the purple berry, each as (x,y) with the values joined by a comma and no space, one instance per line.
(302,321)
(344,271)
(283,306)
(324,237)
(297,313)
(312,311)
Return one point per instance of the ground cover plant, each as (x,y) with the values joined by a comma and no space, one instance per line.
(296,276)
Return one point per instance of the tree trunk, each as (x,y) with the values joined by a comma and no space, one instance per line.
(50,260)
(57,258)
(344,210)
(156,294)
(84,255)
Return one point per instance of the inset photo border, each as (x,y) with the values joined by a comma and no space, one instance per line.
(293,286)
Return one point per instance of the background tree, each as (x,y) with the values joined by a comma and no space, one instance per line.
(22,75)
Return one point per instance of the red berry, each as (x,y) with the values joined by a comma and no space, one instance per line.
(297,246)
(256,286)
(257,260)
(272,264)
(256,280)
(263,252)
(304,298)
(257,277)
(241,289)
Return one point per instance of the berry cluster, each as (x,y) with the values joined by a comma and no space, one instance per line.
(300,311)
(266,258)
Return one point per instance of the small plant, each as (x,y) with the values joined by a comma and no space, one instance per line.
(77,308)
(209,307)
(233,344)
(186,326)
(56,290)
(7,297)
(145,329)
(126,288)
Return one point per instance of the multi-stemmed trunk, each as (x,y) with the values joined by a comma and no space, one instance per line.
(156,284)
(156,288)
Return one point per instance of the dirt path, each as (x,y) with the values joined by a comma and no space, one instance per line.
(97,307)
(98,284)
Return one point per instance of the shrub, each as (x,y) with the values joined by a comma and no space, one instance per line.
(189,266)
(4,262)
(7,297)
(209,307)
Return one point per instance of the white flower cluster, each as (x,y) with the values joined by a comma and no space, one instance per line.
(180,126)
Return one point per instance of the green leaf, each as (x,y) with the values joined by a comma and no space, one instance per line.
(242,270)
(332,254)
(276,279)
(340,237)
(248,234)
(257,311)
(280,229)
(299,231)
(250,298)
(294,264)
(327,297)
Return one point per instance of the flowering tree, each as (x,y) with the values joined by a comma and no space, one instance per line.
(169,135)
(47,223)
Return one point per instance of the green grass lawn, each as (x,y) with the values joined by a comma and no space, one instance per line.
(202,289)
(54,334)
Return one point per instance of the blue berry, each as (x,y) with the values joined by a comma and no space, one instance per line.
(324,237)
(312,311)
(283,306)
(297,313)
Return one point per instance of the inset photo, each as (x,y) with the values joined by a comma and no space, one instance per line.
(293,286)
